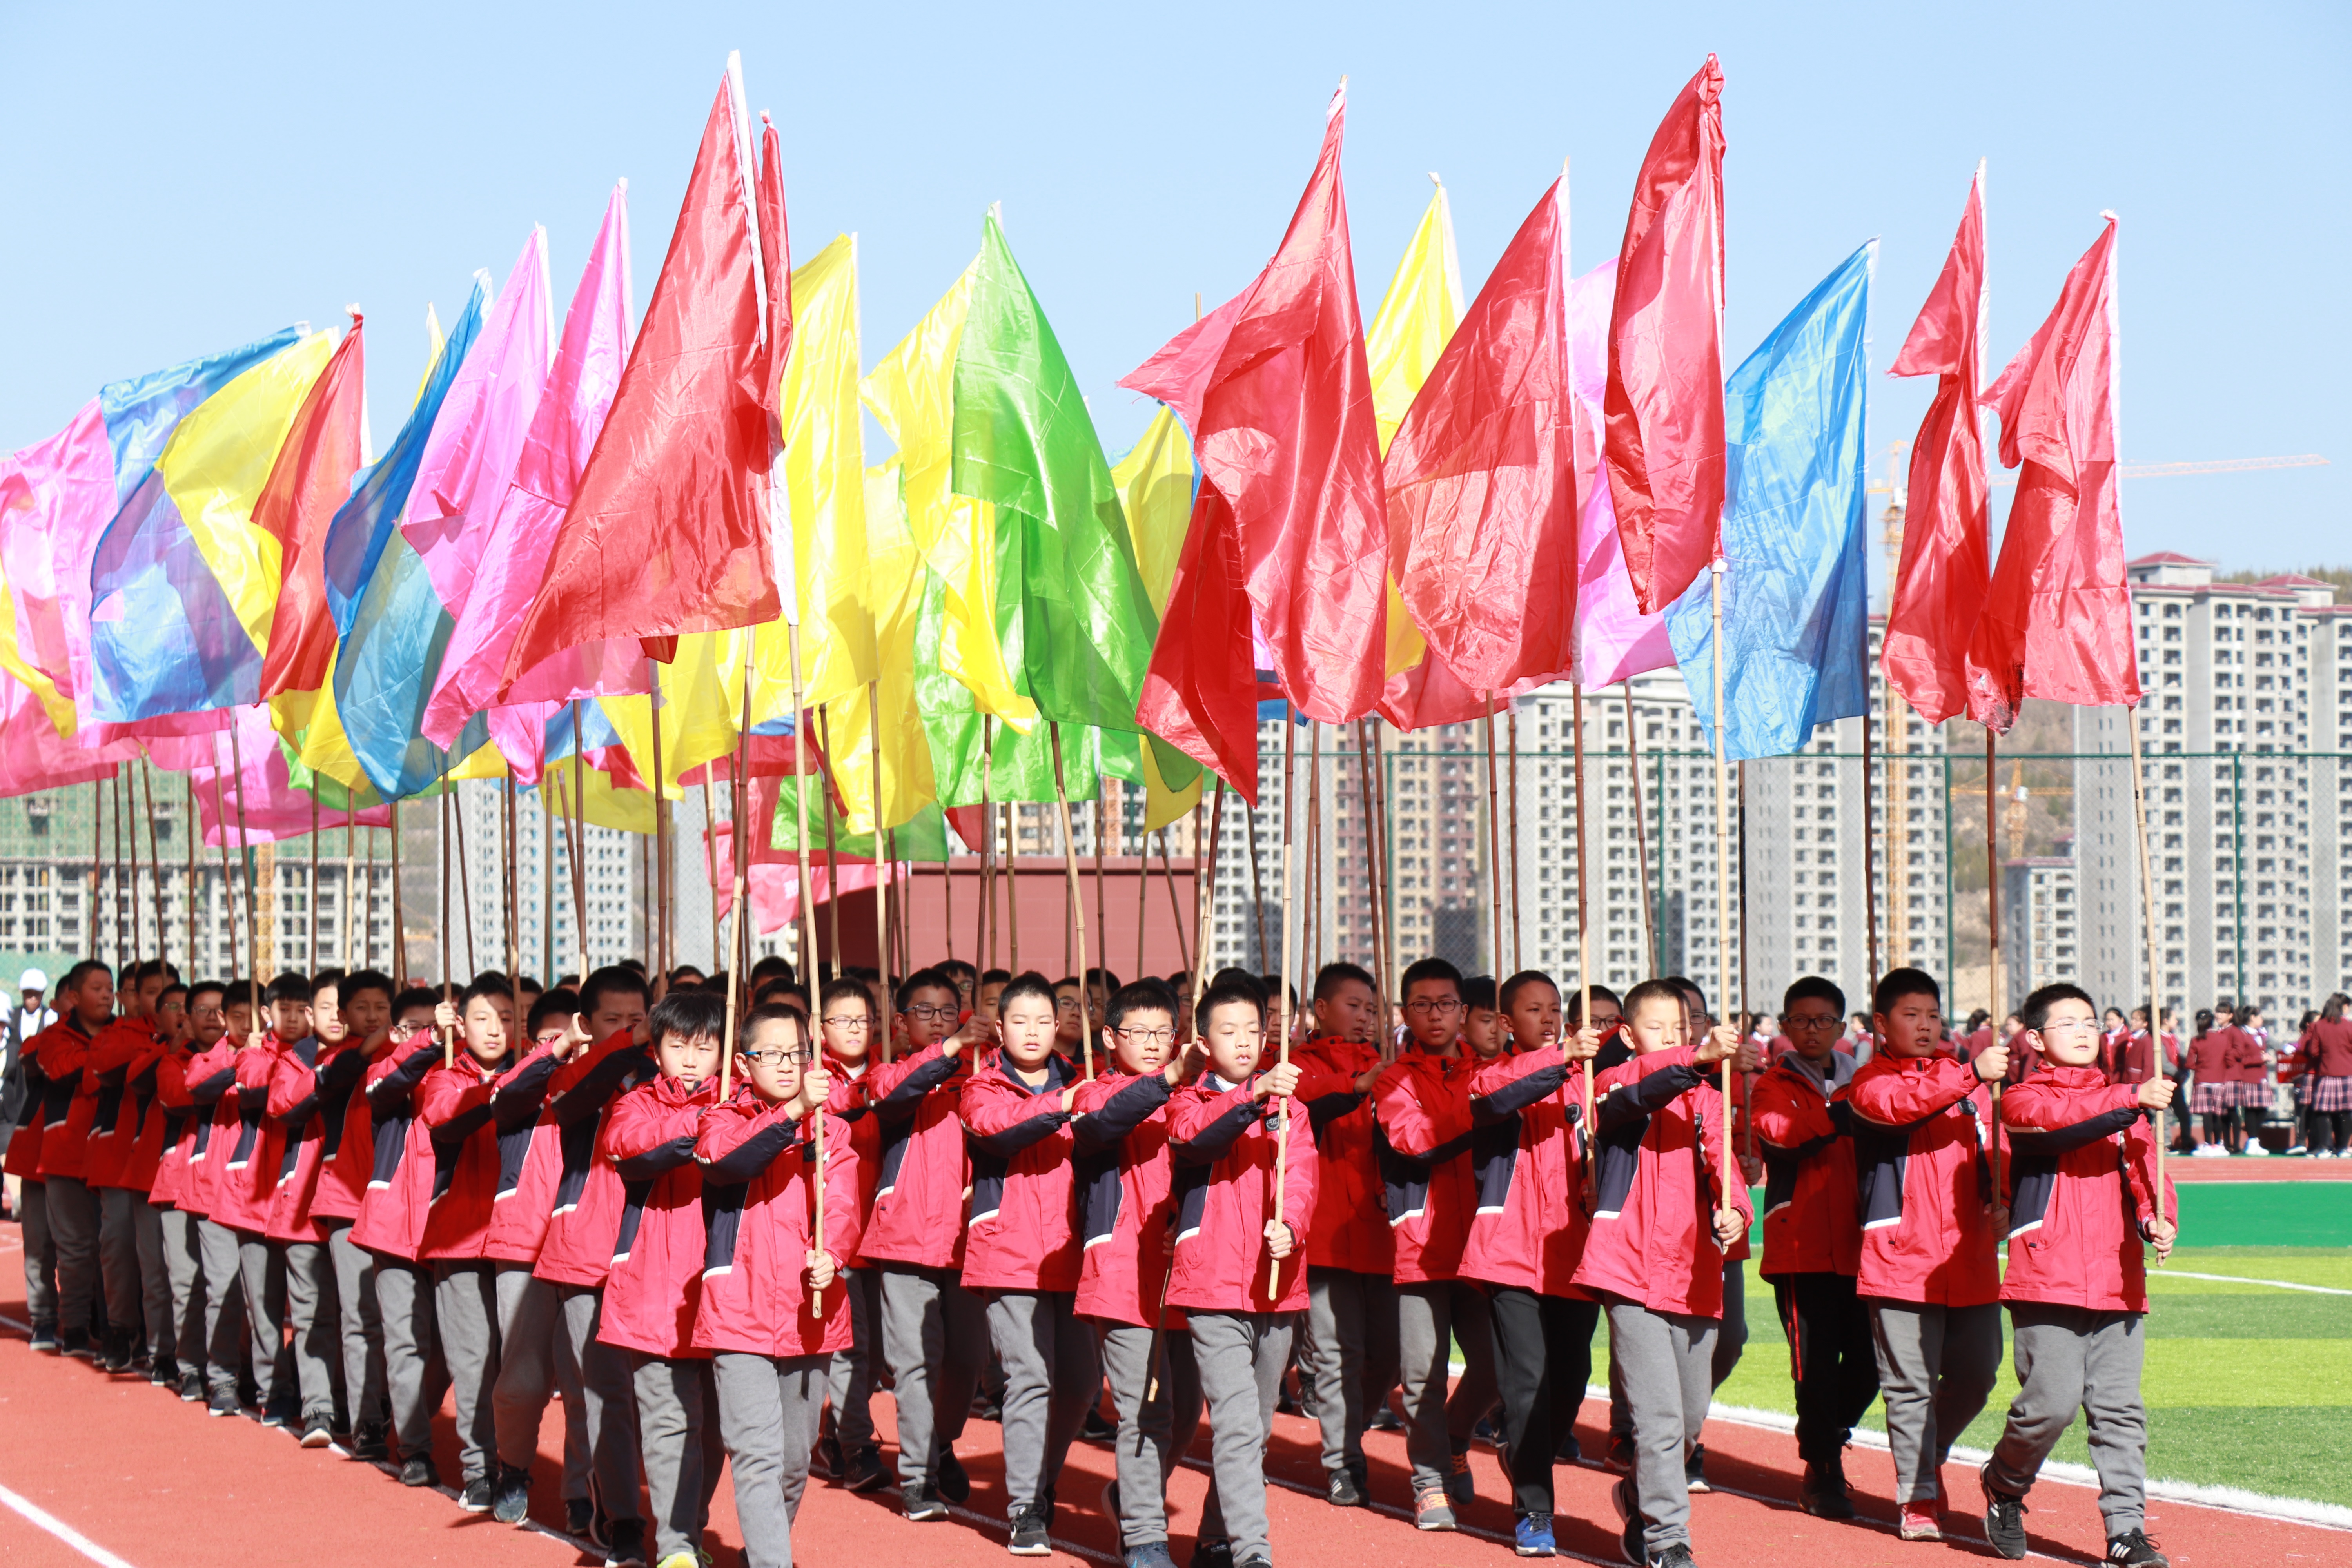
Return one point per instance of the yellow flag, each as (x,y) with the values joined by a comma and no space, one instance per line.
(701,707)
(606,804)
(1417,316)
(61,710)
(1155,488)
(912,395)
(897,576)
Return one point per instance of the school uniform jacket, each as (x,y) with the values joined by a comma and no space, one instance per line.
(536,1167)
(1531,1228)
(295,1080)
(209,1076)
(2081,1177)
(23,1153)
(758,1216)
(1120,1164)
(400,1180)
(1223,1146)
(1023,1233)
(1421,1109)
(122,1051)
(860,1130)
(479,1123)
(63,1051)
(1921,1128)
(1804,1130)
(347,1136)
(143,1110)
(1658,1146)
(172,1112)
(1351,1229)
(654,1287)
(919,1193)
(246,1184)
(586,1222)
(2327,1046)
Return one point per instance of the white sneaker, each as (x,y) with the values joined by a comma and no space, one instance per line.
(2258,1152)
(2211,1152)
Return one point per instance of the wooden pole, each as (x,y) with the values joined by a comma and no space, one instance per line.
(228,877)
(1993,976)
(1185,945)
(578,841)
(1077,909)
(98,857)
(465,886)
(510,824)
(155,862)
(1373,876)
(1143,899)
(660,912)
(1511,861)
(547,879)
(1385,881)
(1012,896)
(833,866)
(801,838)
(739,809)
(1640,830)
(984,945)
(1898,831)
(1747,1079)
(882,862)
(399,926)
(710,864)
(350,886)
(1203,893)
(191,831)
(314,876)
(245,852)
(1281,1121)
(1870,839)
(1584,905)
(1494,843)
(1310,920)
(1722,871)
(445,934)
(1101,813)
(127,795)
(2149,920)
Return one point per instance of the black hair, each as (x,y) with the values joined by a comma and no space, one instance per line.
(2332,1008)
(1028,983)
(1520,982)
(2036,1011)
(840,987)
(2204,1022)
(1977,1018)
(1896,983)
(1139,997)
(958,967)
(1226,995)
(1573,1001)
(685,974)
(921,980)
(349,986)
(1657,991)
(1331,976)
(414,996)
(1479,994)
(489,983)
(1691,994)
(72,978)
(991,977)
(604,982)
(1814,988)
(201,986)
(769,1015)
(689,1013)
(235,991)
(556,1003)
(635,967)
(170,988)
(771,967)
(1429,972)
(1230,977)
(292,987)
(1107,979)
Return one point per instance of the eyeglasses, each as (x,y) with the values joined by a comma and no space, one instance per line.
(928,1014)
(850,1023)
(780,1055)
(2054,1025)
(1803,1021)
(1437,1008)
(1146,1036)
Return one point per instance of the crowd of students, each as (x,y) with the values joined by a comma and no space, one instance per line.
(331,1203)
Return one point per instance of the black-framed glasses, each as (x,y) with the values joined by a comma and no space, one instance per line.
(1435,1007)
(929,1013)
(1811,1021)
(1146,1036)
(850,1023)
(780,1055)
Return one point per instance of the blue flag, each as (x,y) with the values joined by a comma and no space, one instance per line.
(1795,581)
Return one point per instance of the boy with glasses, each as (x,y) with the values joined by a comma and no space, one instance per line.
(846,1025)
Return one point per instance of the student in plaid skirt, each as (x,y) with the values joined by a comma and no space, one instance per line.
(2328,1056)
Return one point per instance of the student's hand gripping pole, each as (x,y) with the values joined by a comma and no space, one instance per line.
(816,1185)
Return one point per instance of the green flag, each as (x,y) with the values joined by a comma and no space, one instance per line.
(1020,767)
(924,837)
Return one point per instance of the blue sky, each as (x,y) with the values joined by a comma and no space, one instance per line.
(177,183)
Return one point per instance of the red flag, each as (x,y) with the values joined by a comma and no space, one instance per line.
(311,477)
(776,262)
(1664,401)
(1275,387)
(2057,620)
(1482,475)
(668,532)
(1940,584)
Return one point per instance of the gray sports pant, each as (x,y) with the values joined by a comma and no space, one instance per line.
(1241,1356)
(183,1264)
(466,1311)
(1668,1359)
(1731,1340)
(1431,1318)
(1351,1352)
(261,1270)
(118,1260)
(414,1374)
(1155,1433)
(225,1328)
(154,1279)
(936,1337)
(360,1325)
(1052,1379)
(311,1302)
(768,1407)
(850,1379)
(40,1254)
(1935,1367)
(528,1308)
(608,1399)
(2070,1359)
(73,1230)
(678,1421)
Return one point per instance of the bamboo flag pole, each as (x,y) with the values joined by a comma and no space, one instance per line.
(155,860)
(1511,861)
(98,857)
(245,852)
(1747,1079)
(1280,1125)
(801,832)
(832,864)
(399,928)
(547,879)
(127,797)
(737,810)
(464,885)
(1100,814)
(1870,839)
(1143,899)
(191,832)
(1372,881)
(1077,909)
(1383,873)
(578,840)
(1996,989)
(1012,877)
(881,862)
(1722,871)
(314,876)
(511,826)
(351,884)
(710,866)
(1583,908)
(663,963)
(1641,832)
(2147,915)
(983,946)
(1184,944)
(1204,894)
(445,934)
(228,877)
(1257,881)
(1494,842)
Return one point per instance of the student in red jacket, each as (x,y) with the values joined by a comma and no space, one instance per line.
(1021,1252)
(143,1170)
(934,1332)
(1666,1212)
(773,1312)
(306,1075)
(1812,1238)
(849,1025)
(173,1194)
(1351,1309)
(2213,1092)
(246,1190)
(1127,1209)
(653,1289)
(363,1011)
(1422,1101)
(2085,1202)
(123,1051)
(1923,1120)
(62,1052)
(389,1225)
(216,1314)
(2326,1054)
(1238,1273)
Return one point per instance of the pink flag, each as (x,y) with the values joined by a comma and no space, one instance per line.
(546,473)
(34,757)
(270,807)
(1615,639)
(56,498)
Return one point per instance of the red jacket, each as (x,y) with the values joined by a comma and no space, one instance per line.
(589,1198)
(2327,1046)
(653,1291)
(1125,1203)
(1924,1184)
(121,1054)
(1422,1104)
(2211,1056)
(480,1124)
(536,1165)
(400,1177)
(1530,1229)
(919,1194)
(69,1097)
(1350,1228)
(1658,1130)
(1023,1234)
(1806,1139)
(2246,1063)
(299,1084)
(1223,1151)
(759,1215)
(2082,1162)
(173,1110)
(347,1136)
(210,1079)
(2136,1066)
(245,1182)
(860,1130)
(144,1108)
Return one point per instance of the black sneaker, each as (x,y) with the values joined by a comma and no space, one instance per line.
(77,1345)
(191,1387)
(1030,1536)
(479,1493)
(1675,1556)
(372,1441)
(2134,1550)
(921,1504)
(950,1478)
(318,1431)
(628,1547)
(417,1470)
(1629,1539)
(1823,1494)
(825,1459)
(45,1338)
(1212,1554)
(222,1403)
(865,1472)
(1569,1452)
(282,1413)
(164,1371)
(1619,1458)
(580,1521)
(2004,1516)
(1485,1431)
(1461,1486)
(510,1500)
(1340,1490)
(1097,1429)
(1384,1419)
(986,1406)
(115,1356)
(1695,1469)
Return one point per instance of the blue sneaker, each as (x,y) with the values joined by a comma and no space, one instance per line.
(1533,1536)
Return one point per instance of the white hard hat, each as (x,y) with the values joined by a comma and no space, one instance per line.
(33,981)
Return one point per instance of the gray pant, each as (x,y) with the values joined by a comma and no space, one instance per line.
(261,1270)
(1935,1367)
(936,1337)
(1153,1433)
(73,1227)
(608,1399)
(183,1264)
(225,1328)
(1241,1357)
(466,1311)
(1351,1353)
(1052,1379)
(677,1422)
(1667,1359)
(528,1310)
(414,1374)
(1731,1340)
(768,1407)
(1431,1318)
(361,1324)
(312,1303)
(118,1260)
(2070,1359)
(154,1279)
(40,1254)
(850,1379)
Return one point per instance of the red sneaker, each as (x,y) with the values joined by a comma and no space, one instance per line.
(1918,1522)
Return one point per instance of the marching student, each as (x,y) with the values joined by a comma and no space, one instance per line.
(1665,1216)
(213,1093)
(1812,1238)
(1127,1208)
(1021,1252)
(934,1332)
(21,1169)
(653,1291)
(142,1169)
(172,1194)
(847,1021)
(70,1102)
(1930,1219)
(123,1051)
(306,1075)
(1351,1312)
(1227,1131)
(772,1312)
(1527,1235)
(247,1188)
(2076,1287)
(362,1007)
(1483,1029)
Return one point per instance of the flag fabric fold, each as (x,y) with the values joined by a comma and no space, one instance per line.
(311,480)
(1417,316)
(56,498)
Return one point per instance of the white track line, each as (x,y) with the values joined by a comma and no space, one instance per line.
(2242,1280)
(62,1530)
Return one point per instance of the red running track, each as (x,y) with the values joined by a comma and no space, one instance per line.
(154,1482)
